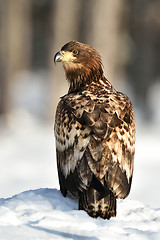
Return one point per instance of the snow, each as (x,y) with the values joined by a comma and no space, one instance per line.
(28,161)
(27,154)
(45,214)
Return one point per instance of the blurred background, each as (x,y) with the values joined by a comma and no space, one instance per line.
(126,34)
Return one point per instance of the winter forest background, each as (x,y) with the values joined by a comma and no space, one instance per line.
(126,34)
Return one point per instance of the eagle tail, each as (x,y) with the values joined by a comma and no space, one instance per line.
(96,206)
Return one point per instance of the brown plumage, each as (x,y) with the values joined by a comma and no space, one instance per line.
(95,134)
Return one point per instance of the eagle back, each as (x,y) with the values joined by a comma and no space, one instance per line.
(98,124)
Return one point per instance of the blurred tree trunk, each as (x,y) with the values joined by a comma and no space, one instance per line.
(3,83)
(15,45)
(144,29)
(86,21)
(109,35)
(65,22)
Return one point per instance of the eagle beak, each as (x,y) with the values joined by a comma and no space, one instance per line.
(58,57)
(64,56)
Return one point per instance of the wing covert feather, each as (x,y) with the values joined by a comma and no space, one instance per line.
(101,130)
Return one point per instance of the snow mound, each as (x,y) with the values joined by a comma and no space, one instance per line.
(45,214)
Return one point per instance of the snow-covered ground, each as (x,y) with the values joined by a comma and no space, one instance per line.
(38,211)
(45,214)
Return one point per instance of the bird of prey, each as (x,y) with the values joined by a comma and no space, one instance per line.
(95,134)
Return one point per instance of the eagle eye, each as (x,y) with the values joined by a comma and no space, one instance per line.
(75,52)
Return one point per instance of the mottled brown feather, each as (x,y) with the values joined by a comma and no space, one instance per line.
(95,136)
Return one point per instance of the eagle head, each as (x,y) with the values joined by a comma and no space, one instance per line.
(82,63)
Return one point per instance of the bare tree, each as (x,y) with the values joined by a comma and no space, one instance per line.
(109,37)
(65,29)
(15,45)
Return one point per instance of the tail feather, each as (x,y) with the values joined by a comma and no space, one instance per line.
(90,201)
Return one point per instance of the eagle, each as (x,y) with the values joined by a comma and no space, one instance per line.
(95,134)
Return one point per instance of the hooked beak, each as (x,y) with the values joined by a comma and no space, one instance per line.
(58,57)
(64,56)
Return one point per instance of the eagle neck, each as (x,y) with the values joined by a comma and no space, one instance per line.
(79,80)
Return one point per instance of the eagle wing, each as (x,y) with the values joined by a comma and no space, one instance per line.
(95,140)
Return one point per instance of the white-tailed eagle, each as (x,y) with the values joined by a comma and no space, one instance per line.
(95,134)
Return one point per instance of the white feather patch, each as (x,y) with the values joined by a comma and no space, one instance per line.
(79,147)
